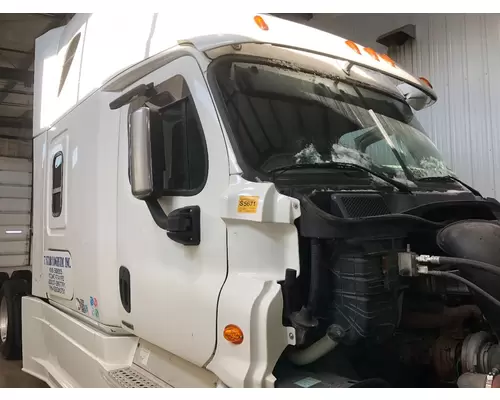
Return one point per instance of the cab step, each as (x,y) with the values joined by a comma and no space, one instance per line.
(134,377)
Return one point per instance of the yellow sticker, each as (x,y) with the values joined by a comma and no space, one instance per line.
(248,204)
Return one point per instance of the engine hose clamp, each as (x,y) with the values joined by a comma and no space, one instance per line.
(490,377)
(489,381)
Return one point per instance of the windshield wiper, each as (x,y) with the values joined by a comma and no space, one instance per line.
(448,178)
(276,172)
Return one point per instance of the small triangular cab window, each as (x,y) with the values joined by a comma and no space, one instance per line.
(57,184)
(68,60)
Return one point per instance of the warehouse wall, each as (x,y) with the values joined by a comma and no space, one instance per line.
(15,197)
(16,142)
(460,55)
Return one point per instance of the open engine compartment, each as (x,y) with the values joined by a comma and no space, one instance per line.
(363,321)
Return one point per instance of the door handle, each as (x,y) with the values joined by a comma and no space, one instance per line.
(184,226)
(124,286)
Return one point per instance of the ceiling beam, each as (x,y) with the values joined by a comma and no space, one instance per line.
(15,104)
(12,91)
(14,50)
(13,122)
(295,17)
(62,18)
(55,16)
(12,137)
(19,75)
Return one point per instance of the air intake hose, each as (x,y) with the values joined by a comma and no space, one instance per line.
(320,348)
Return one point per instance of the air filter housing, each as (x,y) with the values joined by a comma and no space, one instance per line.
(476,240)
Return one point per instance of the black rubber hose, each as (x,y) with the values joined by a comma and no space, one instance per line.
(315,280)
(465,282)
(472,263)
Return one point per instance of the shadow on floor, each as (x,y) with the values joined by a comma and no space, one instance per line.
(11,376)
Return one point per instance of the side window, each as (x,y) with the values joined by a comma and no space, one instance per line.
(68,60)
(185,166)
(57,183)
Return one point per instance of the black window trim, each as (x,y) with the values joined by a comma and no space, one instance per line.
(142,101)
(60,188)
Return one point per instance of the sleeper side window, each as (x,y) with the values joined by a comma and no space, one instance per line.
(57,183)
(68,60)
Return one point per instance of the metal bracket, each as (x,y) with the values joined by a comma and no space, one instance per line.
(290,335)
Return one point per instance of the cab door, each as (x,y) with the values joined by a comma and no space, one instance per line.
(170,281)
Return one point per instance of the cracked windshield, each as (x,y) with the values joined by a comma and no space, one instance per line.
(284,118)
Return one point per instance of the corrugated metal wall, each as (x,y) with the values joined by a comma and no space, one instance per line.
(15,211)
(460,54)
(16,142)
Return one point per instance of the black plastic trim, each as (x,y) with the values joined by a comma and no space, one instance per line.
(184,226)
(57,214)
(128,325)
(124,286)
(157,213)
(127,97)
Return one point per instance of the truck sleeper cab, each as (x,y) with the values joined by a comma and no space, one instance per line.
(227,210)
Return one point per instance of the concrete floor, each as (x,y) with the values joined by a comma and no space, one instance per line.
(11,376)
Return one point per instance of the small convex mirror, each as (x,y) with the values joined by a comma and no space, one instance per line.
(140,162)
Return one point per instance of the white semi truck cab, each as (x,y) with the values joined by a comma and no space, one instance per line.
(243,201)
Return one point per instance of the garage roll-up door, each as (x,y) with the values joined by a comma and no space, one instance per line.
(15,211)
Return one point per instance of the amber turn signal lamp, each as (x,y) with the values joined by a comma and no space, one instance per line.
(233,334)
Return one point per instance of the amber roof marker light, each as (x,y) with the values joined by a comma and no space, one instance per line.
(372,53)
(261,23)
(353,46)
(388,59)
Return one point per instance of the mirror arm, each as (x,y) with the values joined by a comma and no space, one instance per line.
(138,91)
(157,213)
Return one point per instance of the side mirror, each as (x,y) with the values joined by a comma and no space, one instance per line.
(146,161)
(140,160)
(417,99)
